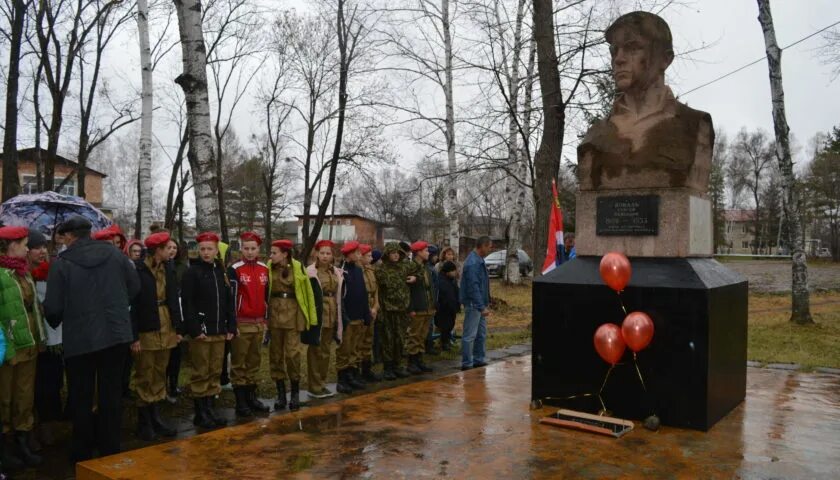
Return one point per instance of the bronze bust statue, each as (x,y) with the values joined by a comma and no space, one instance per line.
(650,140)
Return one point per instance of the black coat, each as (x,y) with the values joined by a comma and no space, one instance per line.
(448,303)
(145,315)
(89,290)
(207,301)
(419,290)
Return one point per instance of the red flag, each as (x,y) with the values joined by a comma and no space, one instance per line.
(555,234)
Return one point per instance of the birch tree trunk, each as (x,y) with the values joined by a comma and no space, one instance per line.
(514,188)
(801,309)
(452,195)
(194,83)
(547,158)
(11,179)
(147,97)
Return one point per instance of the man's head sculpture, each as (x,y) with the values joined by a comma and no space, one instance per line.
(641,48)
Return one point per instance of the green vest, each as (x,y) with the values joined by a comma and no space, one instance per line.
(303,292)
(14,319)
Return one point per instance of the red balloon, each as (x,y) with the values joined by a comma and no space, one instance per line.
(608,343)
(637,331)
(615,270)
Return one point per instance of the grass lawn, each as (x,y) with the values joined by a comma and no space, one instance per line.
(772,338)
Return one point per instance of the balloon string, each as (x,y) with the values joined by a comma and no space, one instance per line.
(639,372)
(600,398)
(622,303)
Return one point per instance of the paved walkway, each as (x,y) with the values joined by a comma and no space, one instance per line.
(478,424)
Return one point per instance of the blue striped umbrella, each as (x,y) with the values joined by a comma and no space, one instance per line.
(45,211)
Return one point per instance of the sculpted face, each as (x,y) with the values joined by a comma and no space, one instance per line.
(636,62)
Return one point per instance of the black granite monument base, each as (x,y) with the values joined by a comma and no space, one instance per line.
(695,367)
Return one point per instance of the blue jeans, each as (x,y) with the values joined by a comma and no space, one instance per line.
(475,334)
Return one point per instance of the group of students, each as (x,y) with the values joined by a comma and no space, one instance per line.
(375,306)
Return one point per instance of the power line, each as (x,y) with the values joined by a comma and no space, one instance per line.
(733,72)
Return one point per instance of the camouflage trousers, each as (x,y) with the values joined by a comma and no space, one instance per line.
(392,327)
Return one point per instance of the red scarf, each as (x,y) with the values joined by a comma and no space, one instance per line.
(40,272)
(19,265)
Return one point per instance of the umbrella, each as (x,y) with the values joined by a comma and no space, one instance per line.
(45,211)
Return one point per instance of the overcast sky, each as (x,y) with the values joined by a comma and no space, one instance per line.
(731,27)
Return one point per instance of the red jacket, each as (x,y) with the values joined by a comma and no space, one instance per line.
(249,281)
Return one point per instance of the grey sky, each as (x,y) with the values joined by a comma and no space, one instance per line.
(812,100)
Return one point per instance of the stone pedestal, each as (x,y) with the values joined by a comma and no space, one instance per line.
(695,367)
(683,223)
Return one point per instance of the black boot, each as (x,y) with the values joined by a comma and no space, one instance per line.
(256,405)
(158,424)
(242,408)
(201,419)
(28,457)
(388,373)
(400,371)
(145,431)
(368,374)
(353,379)
(418,360)
(413,367)
(217,419)
(343,386)
(294,397)
(8,459)
(280,404)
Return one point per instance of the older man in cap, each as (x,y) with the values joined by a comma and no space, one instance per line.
(89,290)
(421,309)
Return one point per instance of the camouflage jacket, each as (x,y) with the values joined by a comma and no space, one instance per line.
(390,278)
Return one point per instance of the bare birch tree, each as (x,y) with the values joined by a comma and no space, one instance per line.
(420,40)
(144,176)
(193,81)
(800,308)
(232,33)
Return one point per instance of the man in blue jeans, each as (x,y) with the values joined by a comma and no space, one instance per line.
(475,296)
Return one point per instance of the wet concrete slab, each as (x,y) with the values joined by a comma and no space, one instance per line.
(477,424)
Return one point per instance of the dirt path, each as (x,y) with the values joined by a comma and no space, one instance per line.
(773,276)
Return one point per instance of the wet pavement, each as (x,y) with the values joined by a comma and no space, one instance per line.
(477,424)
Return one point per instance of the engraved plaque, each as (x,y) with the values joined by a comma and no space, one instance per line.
(627,215)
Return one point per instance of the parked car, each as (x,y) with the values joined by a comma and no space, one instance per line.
(496,263)
(824,253)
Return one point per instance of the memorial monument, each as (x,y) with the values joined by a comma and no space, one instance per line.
(644,176)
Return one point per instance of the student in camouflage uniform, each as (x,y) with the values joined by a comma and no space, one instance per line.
(331,282)
(392,284)
(421,310)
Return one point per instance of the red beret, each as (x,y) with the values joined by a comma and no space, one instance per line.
(156,239)
(324,243)
(364,248)
(207,237)
(349,247)
(419,245)
(105,234)
(13,233)
(283,244)
(250,237)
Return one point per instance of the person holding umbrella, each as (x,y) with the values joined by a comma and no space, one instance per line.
(18,301)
